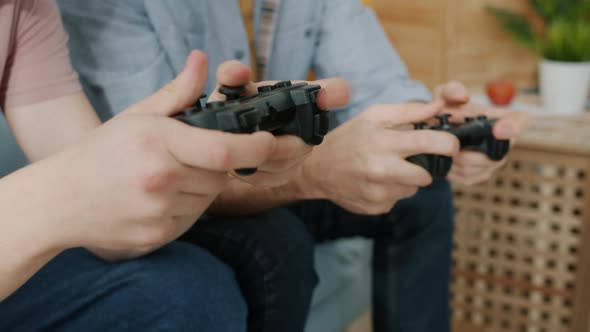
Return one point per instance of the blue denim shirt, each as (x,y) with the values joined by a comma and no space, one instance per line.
(126,50)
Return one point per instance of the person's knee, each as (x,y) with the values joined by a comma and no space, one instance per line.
(286,245)
(185,288)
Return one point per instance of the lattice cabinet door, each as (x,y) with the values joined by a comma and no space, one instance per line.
(522,250)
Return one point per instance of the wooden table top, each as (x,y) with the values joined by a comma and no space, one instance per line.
(551,132)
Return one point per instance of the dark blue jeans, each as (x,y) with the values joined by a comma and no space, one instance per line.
(178,288)
(181,288)
(417,235)
(272,257)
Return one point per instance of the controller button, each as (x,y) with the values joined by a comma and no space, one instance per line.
(265,88)
(191,111)
(469,119)
(482,118)
(283,84)
(214,105)
(321,124)
(421,125)
(313,97)
(444,119)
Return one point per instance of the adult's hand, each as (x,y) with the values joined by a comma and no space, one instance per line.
(143,178)
(473,167)
(362,164)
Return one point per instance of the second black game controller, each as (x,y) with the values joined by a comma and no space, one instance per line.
(474,134)
(282,109)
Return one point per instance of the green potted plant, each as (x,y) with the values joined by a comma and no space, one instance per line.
(562,42)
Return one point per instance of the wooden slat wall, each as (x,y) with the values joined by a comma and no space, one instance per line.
(455,39)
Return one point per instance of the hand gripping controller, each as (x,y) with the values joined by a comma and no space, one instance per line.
(282,109)
(475,134)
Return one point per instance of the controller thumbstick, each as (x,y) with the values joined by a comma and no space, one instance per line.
(421,125)
(231,92)
(444,119)
(469,119)
(482,118)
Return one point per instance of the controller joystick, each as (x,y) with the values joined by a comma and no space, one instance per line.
(232,92)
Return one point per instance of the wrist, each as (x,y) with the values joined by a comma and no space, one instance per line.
(30,226)
(305,183)
(53,195)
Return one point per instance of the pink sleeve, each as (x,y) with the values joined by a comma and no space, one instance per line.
(40,67)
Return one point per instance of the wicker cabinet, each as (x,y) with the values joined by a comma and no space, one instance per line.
(522,243)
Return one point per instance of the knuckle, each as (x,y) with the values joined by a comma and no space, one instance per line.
(221,157)
(376,171)
(375,194)
(158,180)
(144,140)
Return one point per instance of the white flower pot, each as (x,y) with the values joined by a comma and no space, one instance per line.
(564,86)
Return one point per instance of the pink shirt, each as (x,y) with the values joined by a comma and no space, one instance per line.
(34,58)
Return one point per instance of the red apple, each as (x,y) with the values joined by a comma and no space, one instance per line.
(501,93)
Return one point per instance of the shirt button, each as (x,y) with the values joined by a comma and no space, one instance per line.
(239,54)
(308,33)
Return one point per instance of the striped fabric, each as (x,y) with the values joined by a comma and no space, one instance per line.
(266,32)
(261,48)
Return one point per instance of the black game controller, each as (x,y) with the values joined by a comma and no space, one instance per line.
(475,134)
(282,109)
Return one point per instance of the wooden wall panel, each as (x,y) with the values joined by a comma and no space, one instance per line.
(477,49)
(415,28)
(455,39)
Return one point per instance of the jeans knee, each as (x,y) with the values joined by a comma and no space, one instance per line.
(186,287)
(287,247)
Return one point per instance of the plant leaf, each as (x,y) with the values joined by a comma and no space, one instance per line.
(518,26)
